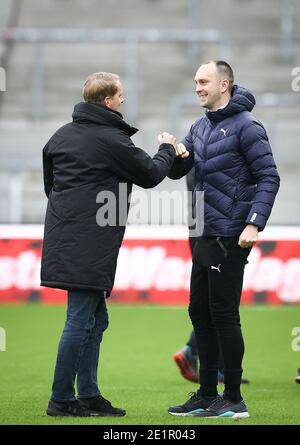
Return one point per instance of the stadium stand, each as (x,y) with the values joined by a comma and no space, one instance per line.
(261,54)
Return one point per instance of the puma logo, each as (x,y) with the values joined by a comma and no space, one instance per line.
(216,267)
(224,131)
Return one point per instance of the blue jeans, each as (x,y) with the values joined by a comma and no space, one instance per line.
(78,351)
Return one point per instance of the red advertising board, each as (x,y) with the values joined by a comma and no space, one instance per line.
(154,267)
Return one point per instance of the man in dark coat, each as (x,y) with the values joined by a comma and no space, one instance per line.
(90,165)
(236,184)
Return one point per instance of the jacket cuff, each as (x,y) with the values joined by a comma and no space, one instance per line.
(169,146)
(256,219)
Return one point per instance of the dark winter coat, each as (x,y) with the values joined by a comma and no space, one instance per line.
(92,154)
(234,166)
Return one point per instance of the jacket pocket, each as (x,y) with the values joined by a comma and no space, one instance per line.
(209,251)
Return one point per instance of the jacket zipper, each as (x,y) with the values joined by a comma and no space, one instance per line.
(205,155)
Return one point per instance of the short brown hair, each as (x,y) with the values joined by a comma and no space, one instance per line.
(100,85)
(225,70)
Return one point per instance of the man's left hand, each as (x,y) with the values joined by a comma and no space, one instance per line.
(249,236)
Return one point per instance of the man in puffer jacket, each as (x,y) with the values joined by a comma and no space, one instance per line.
(236,185)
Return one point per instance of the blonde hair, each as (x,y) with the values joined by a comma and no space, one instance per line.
(100,85)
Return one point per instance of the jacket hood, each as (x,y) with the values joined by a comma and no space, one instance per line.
(96,113)
(241,100)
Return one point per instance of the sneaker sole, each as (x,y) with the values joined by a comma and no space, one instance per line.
(89,414)
(228,415)
(186,370)
(100,414)
(61,414)
(241,416)
(190,413)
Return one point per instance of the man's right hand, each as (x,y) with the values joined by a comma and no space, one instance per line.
(181,151)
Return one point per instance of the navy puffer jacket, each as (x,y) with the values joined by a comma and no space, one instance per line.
(234,166)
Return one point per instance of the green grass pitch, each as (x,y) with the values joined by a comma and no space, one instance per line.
(136,369)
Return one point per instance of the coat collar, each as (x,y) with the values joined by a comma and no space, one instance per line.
(98,114)
(241,100)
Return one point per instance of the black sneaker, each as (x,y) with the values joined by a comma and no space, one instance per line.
(224,408)
(297,378)
(66,409)
(196,404)
(99,406)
